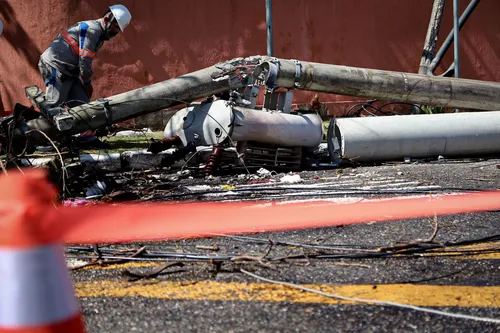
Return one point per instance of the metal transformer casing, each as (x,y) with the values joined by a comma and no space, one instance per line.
(211,123)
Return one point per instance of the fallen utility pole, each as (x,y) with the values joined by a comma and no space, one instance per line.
(179,90)
(274,73)
(416,136)
(386,85)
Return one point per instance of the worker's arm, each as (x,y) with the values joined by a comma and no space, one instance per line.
(89,38)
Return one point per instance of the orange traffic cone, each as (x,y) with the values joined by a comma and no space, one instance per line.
(36,293)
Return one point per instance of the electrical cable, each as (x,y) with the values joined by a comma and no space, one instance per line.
(317,191)
(362,106)
(372,301)
(343,251)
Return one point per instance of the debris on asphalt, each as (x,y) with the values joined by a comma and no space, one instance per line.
(151,274)
(291,179)
(137,132)
(227,187)
(274,251)
(121,196)
(76,202)
(263,172)
(205,247)
(98,190)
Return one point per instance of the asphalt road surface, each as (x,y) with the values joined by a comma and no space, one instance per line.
(206,296)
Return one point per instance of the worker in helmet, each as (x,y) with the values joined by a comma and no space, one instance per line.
(66,66)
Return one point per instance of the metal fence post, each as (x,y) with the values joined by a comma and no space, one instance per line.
(269,24)
(456,37)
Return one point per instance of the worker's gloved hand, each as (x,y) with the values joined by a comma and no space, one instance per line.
(89,90)
(156,146)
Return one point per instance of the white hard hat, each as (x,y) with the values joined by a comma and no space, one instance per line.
(1,27)
(122,15)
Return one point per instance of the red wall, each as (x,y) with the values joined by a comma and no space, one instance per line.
(168,38)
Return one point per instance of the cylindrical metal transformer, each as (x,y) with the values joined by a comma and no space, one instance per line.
(278,128)
(212,123)
(397,137)
(203,124)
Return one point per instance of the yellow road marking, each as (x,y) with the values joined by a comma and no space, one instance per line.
(483,246)
(483,256)
(457,255)
(420,295)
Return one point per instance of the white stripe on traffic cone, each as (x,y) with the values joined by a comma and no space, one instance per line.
(36,289)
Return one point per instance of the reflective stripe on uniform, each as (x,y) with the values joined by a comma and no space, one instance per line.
(79,51)
(74,45)
(87,54)
(36,289)
(84,27)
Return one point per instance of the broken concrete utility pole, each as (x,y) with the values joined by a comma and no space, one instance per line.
(430,42)
(368,139)
(380,84)
(179,90)
(432,36)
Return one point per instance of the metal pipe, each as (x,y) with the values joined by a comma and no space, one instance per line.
(446,44)
(415,136)
(379,84)
(456,39)
(277,128)
(269,24)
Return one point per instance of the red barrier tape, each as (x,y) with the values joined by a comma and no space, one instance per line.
(173,221)
(140,222)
